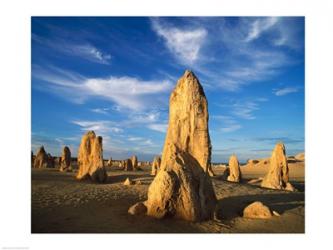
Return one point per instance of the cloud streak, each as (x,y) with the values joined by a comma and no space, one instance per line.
(285,91)
(99,126)
(259,26)
(229,124)
(83,50)
(125,91)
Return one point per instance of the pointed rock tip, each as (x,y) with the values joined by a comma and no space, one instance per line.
(91,132)
(280,144)
(189,73)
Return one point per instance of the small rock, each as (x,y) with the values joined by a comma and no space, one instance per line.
(289,187)
(252,181)
(137,209)
(257,210)
(276,213)
(128,182)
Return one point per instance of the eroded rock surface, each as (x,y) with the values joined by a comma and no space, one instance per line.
(156,165)
(65,159)
(257,210)
(182,188)
(41,160)
(234,170)
(278,173)
(90,158)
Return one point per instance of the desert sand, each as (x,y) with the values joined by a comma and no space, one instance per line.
(61,204)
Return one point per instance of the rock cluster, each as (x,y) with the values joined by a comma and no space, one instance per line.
(90,158)
(278,173)
(182,188)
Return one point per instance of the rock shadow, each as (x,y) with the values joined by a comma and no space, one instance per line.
(231,207)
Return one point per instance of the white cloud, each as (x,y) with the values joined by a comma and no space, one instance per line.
(89,52)
(144,117)
(285,91)
(231,128)
(259,26)
(103,111)
(125,91)
(229,124)
(245,110)
(83,50)
(158,127)
(100,127)
(135,138)
(185,44)
(260,65)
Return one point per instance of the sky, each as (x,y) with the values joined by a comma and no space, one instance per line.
(114,75)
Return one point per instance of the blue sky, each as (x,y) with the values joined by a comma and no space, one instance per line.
(114,75)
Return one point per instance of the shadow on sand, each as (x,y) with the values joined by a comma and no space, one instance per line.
(231,207)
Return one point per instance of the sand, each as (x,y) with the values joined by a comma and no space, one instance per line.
(61,204)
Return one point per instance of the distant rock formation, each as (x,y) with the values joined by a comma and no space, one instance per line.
(182,188)
(300,157)
(278,173)
(41,159)
(234,170)
(252,162)
(51,161)
(110,162)
(90,158)
(128,165)
(134,160)
(156,165)
(257,210)
(65,160)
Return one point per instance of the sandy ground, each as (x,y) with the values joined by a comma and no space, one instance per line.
(60,204)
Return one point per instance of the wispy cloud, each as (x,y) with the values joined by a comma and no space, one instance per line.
(83,50)
(125,91)
(257,65)
(101,127)
(285,91)
(160,127)
(244,109)
(133,138)
(103,111)
(259,26)
(140,141)
(229,124)
(287,140)
(184,44)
